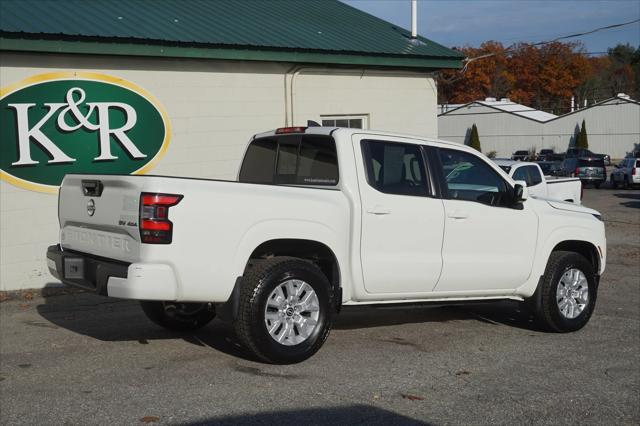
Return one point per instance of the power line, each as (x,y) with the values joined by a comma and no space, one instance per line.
(515,46)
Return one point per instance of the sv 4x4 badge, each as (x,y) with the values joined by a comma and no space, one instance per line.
(59,123)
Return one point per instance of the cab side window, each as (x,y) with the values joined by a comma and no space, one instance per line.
(521,174)
(395,168)
(534,176)
(469,178)
(529,174)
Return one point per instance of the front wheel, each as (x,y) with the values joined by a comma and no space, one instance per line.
(285,310)
(178,316)
(566,296)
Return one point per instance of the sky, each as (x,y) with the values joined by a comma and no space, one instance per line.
(456,23)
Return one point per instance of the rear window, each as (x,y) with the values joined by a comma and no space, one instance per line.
(637,163)
(591,162)
(292,160)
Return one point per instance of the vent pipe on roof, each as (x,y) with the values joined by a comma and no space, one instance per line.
(414,18)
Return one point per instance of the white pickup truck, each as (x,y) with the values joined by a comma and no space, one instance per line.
(321,218)
(541,186)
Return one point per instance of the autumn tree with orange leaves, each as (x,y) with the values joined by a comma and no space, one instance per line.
(544,77)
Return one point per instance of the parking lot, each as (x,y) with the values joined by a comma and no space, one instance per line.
(83,359)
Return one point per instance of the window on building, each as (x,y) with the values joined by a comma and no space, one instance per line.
(349,121)
(395,168)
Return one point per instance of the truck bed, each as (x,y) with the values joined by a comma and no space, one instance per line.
(213,219)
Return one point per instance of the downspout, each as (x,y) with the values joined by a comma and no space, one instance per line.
(289,92)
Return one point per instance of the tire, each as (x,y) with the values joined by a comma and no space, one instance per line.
(614,184)
(548,300)
(178,316)
(269,281)
(597,185)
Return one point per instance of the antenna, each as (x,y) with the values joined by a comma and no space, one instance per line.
(414,18)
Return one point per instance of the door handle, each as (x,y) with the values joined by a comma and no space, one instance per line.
(458,214)
(378,210)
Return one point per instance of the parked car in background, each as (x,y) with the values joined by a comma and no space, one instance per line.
(520,155)
(626,173)
(550,168)
(541,186)
(590,170)
(545,155)
(584,153)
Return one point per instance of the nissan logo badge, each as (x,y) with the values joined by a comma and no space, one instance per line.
(91,207)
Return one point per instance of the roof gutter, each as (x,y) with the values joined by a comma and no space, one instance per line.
(270,55)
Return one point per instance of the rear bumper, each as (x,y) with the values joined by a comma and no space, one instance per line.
(592,179)
(140,281)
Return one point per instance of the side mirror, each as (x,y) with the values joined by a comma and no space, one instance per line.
(520,192)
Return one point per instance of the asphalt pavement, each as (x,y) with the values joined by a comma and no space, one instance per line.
(83,359)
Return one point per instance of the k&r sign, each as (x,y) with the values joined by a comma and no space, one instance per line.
(59,123)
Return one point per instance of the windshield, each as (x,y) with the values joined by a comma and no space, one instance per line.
(590,162)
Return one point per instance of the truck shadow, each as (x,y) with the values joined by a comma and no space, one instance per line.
(352,414)
(108,319)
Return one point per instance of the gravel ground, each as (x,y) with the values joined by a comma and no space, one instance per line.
(83,359)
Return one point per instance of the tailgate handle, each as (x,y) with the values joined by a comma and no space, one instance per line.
(92,188)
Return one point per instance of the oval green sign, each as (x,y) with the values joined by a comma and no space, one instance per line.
(60,123)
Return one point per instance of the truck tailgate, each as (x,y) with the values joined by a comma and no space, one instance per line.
(99,215)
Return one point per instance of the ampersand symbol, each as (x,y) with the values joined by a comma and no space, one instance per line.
(82,120)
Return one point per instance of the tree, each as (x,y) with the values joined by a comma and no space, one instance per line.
(474,138)
(582,141)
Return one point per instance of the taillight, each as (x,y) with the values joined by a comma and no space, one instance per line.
(633,171)
(155,226)
(577,172)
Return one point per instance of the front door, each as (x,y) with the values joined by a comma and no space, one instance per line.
(402,223)
(488,245)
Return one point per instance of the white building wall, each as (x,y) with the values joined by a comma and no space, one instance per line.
(613,128)
(214,108)
(499,131)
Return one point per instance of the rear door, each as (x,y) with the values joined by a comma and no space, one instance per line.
(488,244)
(402,221)
(99,215)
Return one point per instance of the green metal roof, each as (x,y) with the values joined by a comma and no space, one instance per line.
(327,31)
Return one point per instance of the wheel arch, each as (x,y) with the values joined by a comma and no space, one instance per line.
(584,248)
(310,249)
(315,251)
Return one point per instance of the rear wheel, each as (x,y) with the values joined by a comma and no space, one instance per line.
(566,296)
(178,316)
(285,310)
